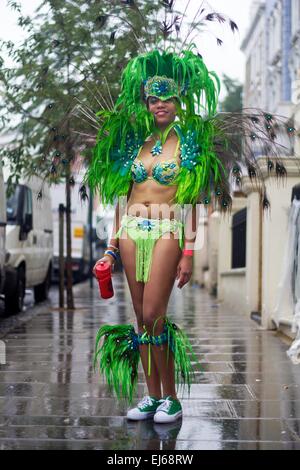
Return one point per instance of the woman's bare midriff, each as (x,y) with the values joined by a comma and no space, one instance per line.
(151,201)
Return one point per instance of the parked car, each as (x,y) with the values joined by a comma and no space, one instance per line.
(29,243)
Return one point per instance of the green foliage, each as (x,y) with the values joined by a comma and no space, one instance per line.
(234,99)
(233,102)
(70,53)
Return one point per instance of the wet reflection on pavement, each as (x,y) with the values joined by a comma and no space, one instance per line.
(246,395)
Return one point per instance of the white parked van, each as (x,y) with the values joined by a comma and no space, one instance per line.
(79,228)
(2,230)
(29,243)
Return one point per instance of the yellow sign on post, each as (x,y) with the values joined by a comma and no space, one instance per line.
(79,232)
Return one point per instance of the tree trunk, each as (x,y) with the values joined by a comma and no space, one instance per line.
(69,272)
(61,211)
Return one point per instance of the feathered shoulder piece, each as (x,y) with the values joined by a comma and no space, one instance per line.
(117,146)
(217,151)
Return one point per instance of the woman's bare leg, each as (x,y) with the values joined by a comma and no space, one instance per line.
(157,291)
(127,252)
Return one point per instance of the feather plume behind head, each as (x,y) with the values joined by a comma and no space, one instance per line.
(224,145)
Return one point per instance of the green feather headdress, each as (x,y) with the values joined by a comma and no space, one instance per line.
(199,88)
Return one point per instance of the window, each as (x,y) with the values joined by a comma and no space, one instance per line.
(12,207)
(15,209)
(239,229)
(27,207)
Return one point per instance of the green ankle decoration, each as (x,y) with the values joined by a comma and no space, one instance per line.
(145,338)
(118,357)
(117,352)
(180,346)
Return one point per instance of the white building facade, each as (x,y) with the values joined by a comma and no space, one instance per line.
(272,50)
(254,47)
(294,59)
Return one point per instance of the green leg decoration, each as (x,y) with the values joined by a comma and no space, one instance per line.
(117,352)
(118,357)
(181,348)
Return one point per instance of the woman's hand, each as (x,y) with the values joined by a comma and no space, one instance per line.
(106,259)
(184,270)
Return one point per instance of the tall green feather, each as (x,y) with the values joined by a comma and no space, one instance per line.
(118,359)
(182,352)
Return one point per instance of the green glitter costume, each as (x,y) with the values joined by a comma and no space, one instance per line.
(109,173)
(210,155)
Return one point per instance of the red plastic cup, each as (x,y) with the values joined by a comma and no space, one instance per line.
(103,274)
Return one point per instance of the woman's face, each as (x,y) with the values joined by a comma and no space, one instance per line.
(164,111)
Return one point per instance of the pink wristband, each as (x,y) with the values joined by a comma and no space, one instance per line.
(188,252)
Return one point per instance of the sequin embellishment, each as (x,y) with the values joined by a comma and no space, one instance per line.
(146,224)
(164,172)
(157,148)
(138,172)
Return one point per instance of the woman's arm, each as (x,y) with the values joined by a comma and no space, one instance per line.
(113,241)
(185,266)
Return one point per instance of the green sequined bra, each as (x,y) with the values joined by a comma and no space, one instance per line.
(163,172)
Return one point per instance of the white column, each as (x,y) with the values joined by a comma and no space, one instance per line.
(213,249)
(274,233)
(297,114)
(253,247)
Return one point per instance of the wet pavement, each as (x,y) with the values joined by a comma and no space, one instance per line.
(247,395)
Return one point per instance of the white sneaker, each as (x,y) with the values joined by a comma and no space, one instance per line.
(169,411)
(145,409)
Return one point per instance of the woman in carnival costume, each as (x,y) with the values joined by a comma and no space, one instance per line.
(164,146)
(151,236)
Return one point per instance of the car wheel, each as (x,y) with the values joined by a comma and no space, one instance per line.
(14,302)
(41,291)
